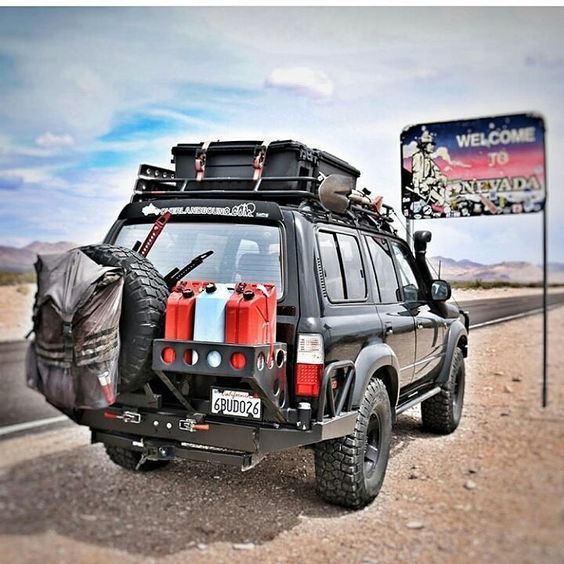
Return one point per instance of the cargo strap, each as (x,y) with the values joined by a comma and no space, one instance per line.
(68,342)
(200,163)
(150,240)
(259,159)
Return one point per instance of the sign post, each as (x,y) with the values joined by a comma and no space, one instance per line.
(492,166)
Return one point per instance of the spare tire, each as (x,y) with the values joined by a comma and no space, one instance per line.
(142,315)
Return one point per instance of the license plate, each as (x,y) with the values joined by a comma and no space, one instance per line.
(236,403)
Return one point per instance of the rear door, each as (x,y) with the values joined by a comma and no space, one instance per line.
(348,317)
(398,320)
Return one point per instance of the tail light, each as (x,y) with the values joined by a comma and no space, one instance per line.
(310,360)
(168,355)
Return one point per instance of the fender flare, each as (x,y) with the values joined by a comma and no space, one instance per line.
(372,358)
(457,337)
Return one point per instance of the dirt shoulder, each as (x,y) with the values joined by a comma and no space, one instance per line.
(468,294)
(16,303)
(492,491)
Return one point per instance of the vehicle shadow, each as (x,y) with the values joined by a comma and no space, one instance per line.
(82,495)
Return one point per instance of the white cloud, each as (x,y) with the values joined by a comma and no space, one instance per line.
(301,80)
(443,153)
(50,140)
(409,150)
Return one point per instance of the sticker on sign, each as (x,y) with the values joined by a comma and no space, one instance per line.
(236,403)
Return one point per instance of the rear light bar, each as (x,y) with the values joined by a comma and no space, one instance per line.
(310,362)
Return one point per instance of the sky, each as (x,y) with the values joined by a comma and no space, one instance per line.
(86,95)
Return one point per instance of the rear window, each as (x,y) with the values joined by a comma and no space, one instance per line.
(342,266)
(242,253)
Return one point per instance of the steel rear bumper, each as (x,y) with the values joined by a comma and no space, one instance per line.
(226,442)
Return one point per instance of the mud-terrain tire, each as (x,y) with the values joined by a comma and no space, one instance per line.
(441,413)
(350,470)
(129,459)
(142,313)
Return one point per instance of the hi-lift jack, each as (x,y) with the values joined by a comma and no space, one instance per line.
(156,230)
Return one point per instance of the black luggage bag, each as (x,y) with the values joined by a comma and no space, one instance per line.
(240,165)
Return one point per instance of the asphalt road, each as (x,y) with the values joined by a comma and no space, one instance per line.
(20,404)
(487,310)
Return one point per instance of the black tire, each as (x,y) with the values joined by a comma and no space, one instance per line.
(441,413)
(350,470)
(142,315)
(129,459)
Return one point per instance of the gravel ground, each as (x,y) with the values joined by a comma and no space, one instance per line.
(492,491)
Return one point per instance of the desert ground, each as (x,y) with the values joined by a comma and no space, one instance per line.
(491,492)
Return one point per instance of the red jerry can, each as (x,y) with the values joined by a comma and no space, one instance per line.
(250,316)
(180,307)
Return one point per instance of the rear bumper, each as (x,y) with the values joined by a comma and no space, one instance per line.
(242,443)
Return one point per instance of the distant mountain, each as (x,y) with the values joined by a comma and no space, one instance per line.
(22,259)
(510,271)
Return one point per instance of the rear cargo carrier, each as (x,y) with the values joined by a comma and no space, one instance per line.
(261,367)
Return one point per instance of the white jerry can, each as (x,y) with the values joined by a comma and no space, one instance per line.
(209,318)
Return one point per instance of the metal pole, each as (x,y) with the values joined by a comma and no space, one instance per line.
(409,232)
(544,310)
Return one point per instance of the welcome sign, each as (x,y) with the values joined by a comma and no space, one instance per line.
(486,166)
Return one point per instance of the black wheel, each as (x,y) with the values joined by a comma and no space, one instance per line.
(129,459)
(350,470)
(441,413)
(143,306)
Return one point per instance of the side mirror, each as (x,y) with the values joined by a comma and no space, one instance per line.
(440,291)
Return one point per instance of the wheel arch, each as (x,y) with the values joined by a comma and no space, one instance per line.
(379,361)
(457,338)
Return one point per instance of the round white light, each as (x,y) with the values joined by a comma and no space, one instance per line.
(214,359)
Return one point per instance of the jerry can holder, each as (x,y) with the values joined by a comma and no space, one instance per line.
(264,366)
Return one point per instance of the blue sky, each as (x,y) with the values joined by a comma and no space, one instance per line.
(88,94)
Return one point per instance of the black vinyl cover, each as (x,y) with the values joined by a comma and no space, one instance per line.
(234,159)
(73,360)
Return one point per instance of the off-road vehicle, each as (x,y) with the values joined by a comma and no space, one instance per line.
(362,330)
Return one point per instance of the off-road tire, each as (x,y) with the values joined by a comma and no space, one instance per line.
(441,413)
(346,472)
(129,459)
(142,314)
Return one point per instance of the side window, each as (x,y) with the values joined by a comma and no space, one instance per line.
(355,285)
(384,269)
(411,289)
(331,266)
(342,266)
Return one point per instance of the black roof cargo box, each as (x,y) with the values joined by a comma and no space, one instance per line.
(254,160)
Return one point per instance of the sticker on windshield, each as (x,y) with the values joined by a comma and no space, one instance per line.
(246,209)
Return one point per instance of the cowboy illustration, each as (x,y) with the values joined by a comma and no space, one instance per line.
(427,180)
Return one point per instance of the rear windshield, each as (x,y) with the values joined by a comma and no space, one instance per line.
(242,253)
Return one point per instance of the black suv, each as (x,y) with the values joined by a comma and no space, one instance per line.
(363,333)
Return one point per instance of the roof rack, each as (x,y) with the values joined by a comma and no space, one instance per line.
(159,183)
